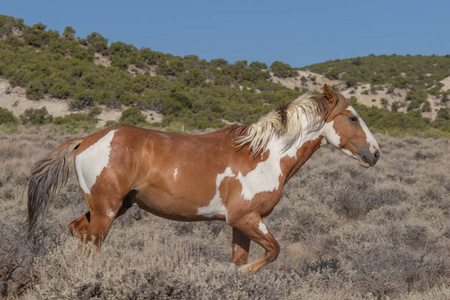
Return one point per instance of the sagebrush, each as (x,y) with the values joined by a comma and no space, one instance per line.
(345,233)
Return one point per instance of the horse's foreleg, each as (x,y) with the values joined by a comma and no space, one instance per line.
(241,246)
(252,226)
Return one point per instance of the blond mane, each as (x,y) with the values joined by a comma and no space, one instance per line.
(288,121)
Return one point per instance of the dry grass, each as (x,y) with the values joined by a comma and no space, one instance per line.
(345,232)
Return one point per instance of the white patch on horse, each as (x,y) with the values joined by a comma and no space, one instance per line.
(264,177)
(331,135)
(110,214)
(91,162)
(235,248)
(263,227)
(334,139)
(369,136)
(216,206)
(175,173)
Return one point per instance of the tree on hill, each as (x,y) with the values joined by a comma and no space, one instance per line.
(282,70)
(69,33)
(97,42)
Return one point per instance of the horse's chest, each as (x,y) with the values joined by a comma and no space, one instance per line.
(265,177)
(255,188)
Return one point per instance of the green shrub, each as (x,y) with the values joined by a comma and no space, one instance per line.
(351,81)
(193,78)
(416,98)
(35,90)
(176,104)
(132,116)
(282,70)
(7,117)
(83,99)
(60,89)
(76,122)
(95,111)
(36,116)
(332,74)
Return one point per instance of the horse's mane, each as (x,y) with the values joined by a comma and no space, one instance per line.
(286,121)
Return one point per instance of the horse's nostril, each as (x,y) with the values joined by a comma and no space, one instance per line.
(377,154)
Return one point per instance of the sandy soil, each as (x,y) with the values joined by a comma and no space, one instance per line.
(101,60)
(14,99)
(446,83)
(314,81)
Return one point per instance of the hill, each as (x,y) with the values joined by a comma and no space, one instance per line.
(89,81)
(413,83)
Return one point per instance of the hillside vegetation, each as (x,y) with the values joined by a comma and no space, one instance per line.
(420,75)
(191,93)
(188,90)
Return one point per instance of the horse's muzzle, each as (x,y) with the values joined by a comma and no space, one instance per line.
(368,157)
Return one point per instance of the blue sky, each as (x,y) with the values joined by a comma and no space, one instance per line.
(295,32)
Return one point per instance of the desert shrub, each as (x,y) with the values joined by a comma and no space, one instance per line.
(392,258)
(282,70)
(424,155)
(351,81)
(82,100)
(332,74)
(76,122)
(15,259)
(36,116)
(193,78)
(132,116)
(358,199)
(176,104)
(95,111)
(258,65)
(7,117)
(35,90)
(60,89)
(303,219)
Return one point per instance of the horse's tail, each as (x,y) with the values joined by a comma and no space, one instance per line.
(46,177)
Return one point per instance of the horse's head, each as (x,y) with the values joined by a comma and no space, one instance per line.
(345,130)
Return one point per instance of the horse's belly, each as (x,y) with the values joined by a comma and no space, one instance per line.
(175,207)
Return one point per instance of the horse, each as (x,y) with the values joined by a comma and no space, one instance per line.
(235,174)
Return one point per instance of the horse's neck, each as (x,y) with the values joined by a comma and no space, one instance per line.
(292,158)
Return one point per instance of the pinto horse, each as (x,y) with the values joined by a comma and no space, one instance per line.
(235,174)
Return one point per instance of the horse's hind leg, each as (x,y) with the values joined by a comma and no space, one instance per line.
(241,246)
(103,209)
(79,226)
(98,228)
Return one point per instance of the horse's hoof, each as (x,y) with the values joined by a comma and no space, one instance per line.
(245,269)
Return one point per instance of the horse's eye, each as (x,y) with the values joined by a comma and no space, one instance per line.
(353,118)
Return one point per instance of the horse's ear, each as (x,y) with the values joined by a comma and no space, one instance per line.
(329,94)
